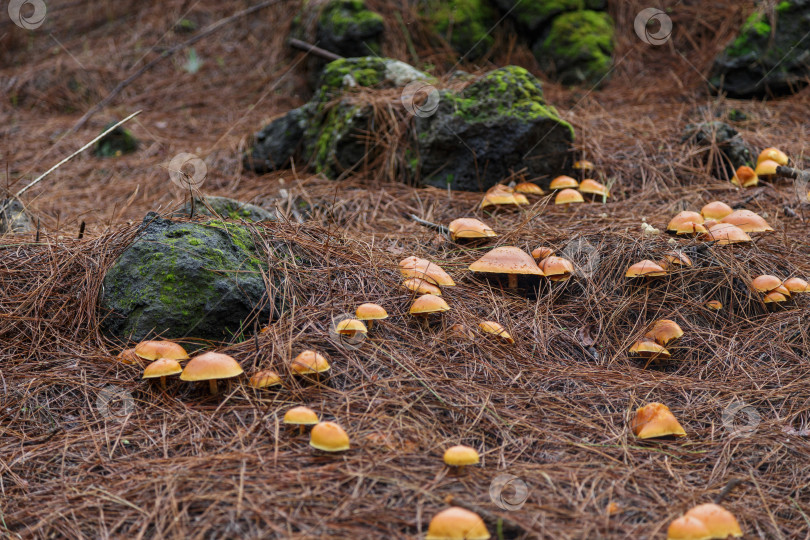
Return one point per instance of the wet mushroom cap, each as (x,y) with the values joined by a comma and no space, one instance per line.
(350,327)
(664,331)
(745,177)
(684,217)
(457,523)
(772,154)
(506,260)
(371,312)
(497,195)
(568,196)
(690,227)
(593,187)
(656,420)
(421,286)
(716,210)
(210,366)
(726,233)
(553,266)
(542,252)
(766,283)
(796,285)
(495,328)
(329,437)
(720,522)
(300,416)
(774,297)
(714,304)
(469,228)
(688,528)
(162,367)
(529,188)
(428,303)
(645,268)
(152,350)
(583,165)
(265,379)
(562,182)
(415,267)
(458,456)
(308,362)
(647,348)
(747,221)
(766,168)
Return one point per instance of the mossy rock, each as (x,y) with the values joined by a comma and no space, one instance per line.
(465,24)
(764,59)
(179,279)
(115,143)
(347,28)
(578,48)
(276,144)
(367,71)
(500,122)
(532,15)
(224,207)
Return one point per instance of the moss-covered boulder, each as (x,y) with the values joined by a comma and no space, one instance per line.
(578,48)
(336,135)
(466,24)
(347,28)
(276,144)
(179,279)
(224,207)
(115,143)
(13,217)
(532,15)
(499,123)
(769,56)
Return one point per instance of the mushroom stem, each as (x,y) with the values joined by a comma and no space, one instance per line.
(513,281)
(369,323)
(163,382)
(300,429)
(212,385)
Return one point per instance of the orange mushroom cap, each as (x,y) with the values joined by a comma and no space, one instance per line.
(329,437)
(495,328)
(726,233)
(664,331)
(162,367)
(593,187)
(415,267)
(797,285)
(766,283)
(774,297)
(469,228)
(715,210)
(128,356)
(677,258)
(747,220)
(583,165)
(152,350)
(766,168)
(688,528)
(720,522)
(683,217)
(300,416)
(562,182)
(690,227)
(265,379)
(556,268)
(428,303)
(542,252)
(350,327)
(647,348)
(421,286)
(308,362)
(773,154)
(457,523)
(656,420)
(745,177)
(209,366)
(370,312)
(506,260)
(529,188)
(714,304)
(459,456)
(645,268)
(568,196)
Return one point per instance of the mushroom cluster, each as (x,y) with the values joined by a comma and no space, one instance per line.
(705,522)
(767,163)
(652,345)
(776,291)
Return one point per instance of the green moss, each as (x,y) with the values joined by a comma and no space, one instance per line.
(465,24)
(194,241)
(533,13)
(363,71)
(753,30)
(783,6)
(117,142)
(342,15)
(579,46)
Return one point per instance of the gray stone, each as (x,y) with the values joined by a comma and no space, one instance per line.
(180,279)
(767,60)
(274,146)
(13,217)
(727,139)
(224,207)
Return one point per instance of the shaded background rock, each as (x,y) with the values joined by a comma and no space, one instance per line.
(771,55)
(728,141)
(227,208)
(465,24)
(13,217)
(115,143)
(276,144)
(347,28)
(498,124)
(181,279)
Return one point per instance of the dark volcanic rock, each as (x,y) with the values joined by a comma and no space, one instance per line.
(186,280)
(767,59)
(347,28)
(499,123)
(274,146)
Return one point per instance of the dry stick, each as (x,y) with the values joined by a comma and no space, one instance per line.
(71,156)
(316,51)
(790,172)
(210,29)
(430,225)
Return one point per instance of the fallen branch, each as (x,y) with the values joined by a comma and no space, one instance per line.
(210,29)
(316,51)
(430,225)
(790,172)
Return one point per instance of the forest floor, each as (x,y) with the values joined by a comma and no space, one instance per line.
(545,409)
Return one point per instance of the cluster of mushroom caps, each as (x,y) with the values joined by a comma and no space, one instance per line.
(513,262)
(568,190)
(776,291)
(365,315)
(703,522)
(652,345)
(767,162)
(324,436)
(426,278)
(456,522)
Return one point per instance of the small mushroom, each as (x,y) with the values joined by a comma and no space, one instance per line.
(725,234)
(567,197)
(529,188)
(677,258)
(152,350)
(745,177)
(645,268)
(747,221)
(309,363)
(456,523)
(656,420)
(496,329)
(592,187)
(469,228)
(716,210)
(301,417)
(508,260)
(542,252)
(329,437)
(498,195)
(461,456)
(350,328)
(720,522)
(265,379)
(766,283)
(128,356)
(583,165)
(774,297)
(563,182)
(714,305)
(664,331)
(687,216)
(690,227)
(415,267)
(162,368)
(427,304)
(773,154)
(647,348)
(211,367)
(796,285)
(421,286)
(766,169)
(688,528)
(369,313)
(556,268)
